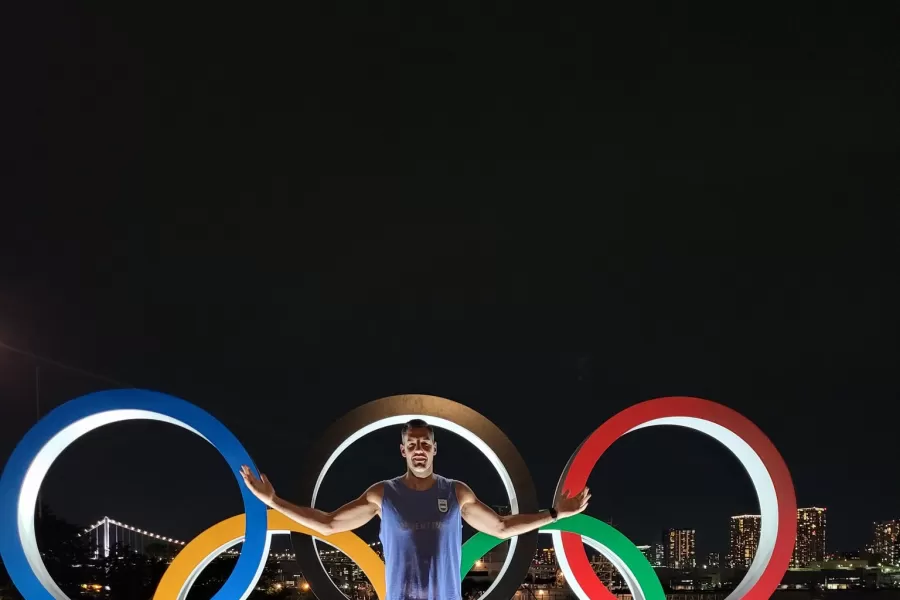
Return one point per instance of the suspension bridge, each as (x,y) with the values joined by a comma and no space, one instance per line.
(108,534)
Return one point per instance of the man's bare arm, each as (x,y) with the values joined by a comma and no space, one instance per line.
(352,515)
(480,516)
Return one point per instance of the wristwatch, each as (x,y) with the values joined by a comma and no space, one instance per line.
(553,514)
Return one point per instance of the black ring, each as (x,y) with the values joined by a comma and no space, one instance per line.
(434,407)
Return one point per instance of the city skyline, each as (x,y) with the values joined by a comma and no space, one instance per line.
(676,552)
(108,533)
(744,532)
(811,544)
(843,572)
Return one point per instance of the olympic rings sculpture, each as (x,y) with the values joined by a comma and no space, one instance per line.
(31,459)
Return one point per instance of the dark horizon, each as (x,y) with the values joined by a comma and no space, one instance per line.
(547,217)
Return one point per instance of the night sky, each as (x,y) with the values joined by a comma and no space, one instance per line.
(546,217)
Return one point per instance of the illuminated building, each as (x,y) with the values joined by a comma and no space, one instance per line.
(887,541)
(660,555)
(744,540)
(810,544)
(713,559)
(545,556)
(649,553)
(680,548)
(544,565)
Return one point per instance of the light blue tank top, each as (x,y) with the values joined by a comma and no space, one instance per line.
(421,536)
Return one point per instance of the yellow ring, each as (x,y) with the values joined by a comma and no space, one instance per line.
(215,540)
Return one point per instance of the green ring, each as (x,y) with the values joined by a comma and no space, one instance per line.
(481,543)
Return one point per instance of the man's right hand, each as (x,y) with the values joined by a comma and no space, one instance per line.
(261,487)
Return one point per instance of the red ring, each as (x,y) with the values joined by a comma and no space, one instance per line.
(595,445)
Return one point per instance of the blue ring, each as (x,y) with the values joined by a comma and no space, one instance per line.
(256,539)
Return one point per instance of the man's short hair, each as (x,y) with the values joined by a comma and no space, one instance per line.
(416,424)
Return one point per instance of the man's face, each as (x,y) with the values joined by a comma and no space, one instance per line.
(419,448)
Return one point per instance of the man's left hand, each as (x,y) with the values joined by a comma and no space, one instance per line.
(567,506)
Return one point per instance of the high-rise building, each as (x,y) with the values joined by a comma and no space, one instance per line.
(745,531)
(887,541)
(660,555)
(680,548)
(810,546)
(713,559)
